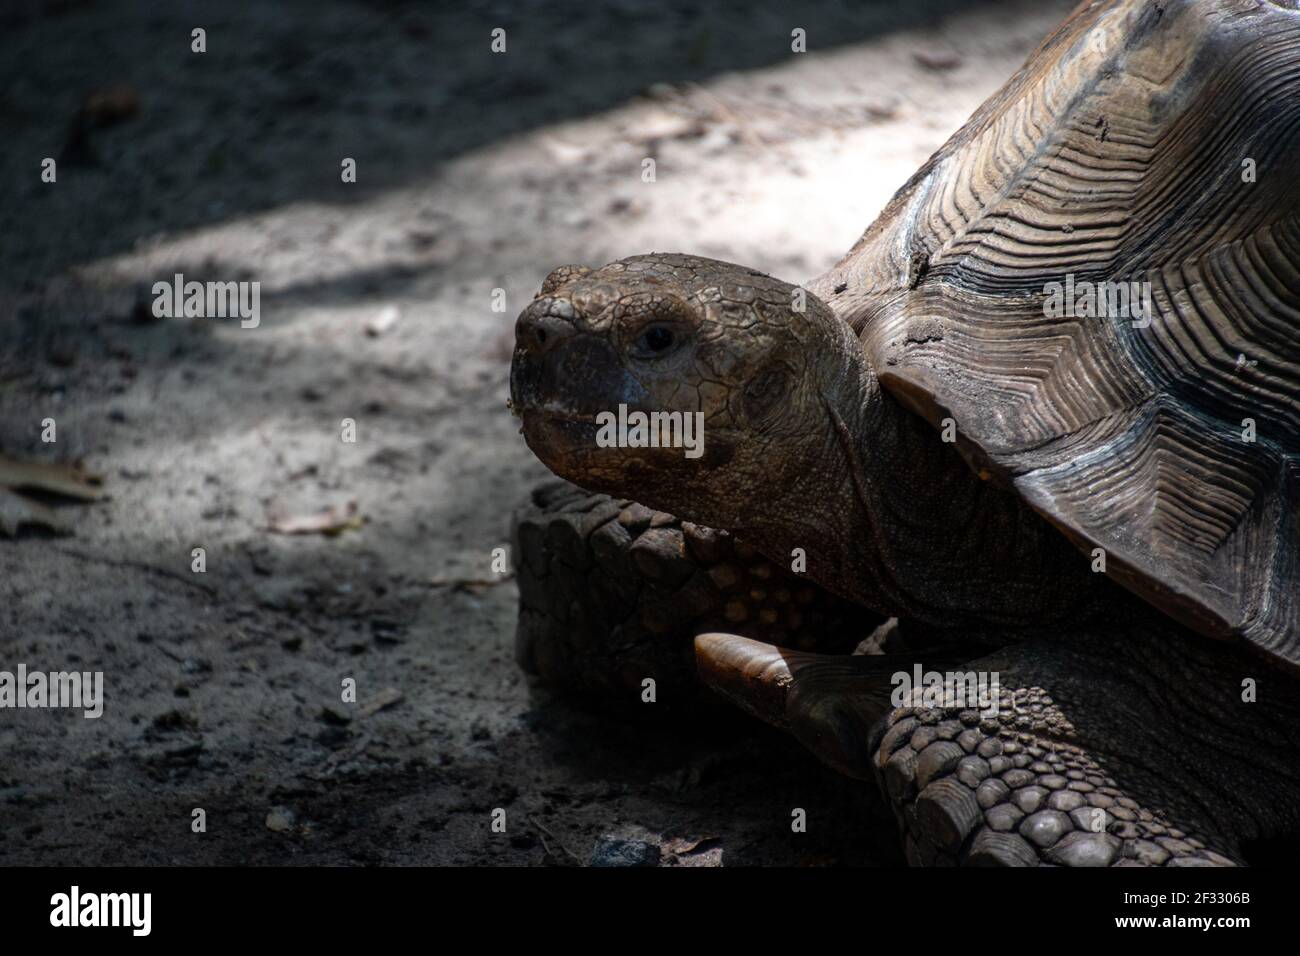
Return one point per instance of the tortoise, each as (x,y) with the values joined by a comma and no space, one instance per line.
(1090,499)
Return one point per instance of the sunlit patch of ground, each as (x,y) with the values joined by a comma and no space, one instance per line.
(220,696)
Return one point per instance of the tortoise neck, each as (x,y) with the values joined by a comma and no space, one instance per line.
(893,518)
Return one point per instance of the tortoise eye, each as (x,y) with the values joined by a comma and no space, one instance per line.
(655,341)
(657,338)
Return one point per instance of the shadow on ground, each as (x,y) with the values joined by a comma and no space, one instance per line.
(223,693)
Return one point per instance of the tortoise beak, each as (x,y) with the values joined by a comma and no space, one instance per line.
(559,366)
(561,378)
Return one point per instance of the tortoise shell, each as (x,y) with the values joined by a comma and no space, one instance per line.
(1155,143)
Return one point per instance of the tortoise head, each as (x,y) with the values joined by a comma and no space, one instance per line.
(688,384)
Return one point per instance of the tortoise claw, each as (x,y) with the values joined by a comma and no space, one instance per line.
(831,704)
(752,675)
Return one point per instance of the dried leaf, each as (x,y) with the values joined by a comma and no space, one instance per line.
(565,154)
(332,520)
(112,105)
(703,852)
(685,845)
(17,511)
(385,698)
(661,125)
(938,59)
(71,481)
(470,585)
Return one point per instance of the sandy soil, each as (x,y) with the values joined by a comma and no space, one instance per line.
(476,172)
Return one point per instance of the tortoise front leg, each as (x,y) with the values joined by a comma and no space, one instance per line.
(1129,747)
(612,593)
(1075,769)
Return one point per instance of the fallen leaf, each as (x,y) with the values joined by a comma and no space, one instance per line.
(686,845)
(935,59)
(336,714)
(71,481)
(385,698)
(565,154)
(662,125)
(703,852)
(622,206)
(112,105)
(332,520)
(17,511)
(470,585)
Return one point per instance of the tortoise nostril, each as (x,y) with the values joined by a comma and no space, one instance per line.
(540,331)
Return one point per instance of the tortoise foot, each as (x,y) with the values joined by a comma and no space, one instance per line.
(612,593)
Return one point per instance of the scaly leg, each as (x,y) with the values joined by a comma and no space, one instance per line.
(612,593)
(1129,745)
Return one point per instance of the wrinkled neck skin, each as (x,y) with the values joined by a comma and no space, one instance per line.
(889,515)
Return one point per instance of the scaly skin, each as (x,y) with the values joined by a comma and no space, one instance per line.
(612,593)
(1126,746)
(1129,744)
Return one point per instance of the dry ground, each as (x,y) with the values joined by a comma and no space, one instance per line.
(476,172)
